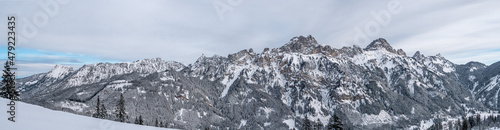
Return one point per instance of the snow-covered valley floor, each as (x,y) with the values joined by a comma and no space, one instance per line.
(32,117)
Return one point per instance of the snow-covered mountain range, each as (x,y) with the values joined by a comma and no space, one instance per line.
(376,87)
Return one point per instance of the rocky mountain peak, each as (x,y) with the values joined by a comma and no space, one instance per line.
(157,63)
(59,71)
(304,40)
(418,56)
(152,60)
(438,55)
(201,58)
(378,43)
(300,44)
(204,58)
(242,55)
(381,43)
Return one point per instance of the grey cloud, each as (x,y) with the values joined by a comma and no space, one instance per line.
(183,30)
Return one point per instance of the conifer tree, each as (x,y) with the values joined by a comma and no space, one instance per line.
(156,122)
(334,123)
(472,122)
(120,109)
(136,121)
(307,124)
(97,113)
(104,112)
(141,122)
(318,125)
(478,119)
(464,124)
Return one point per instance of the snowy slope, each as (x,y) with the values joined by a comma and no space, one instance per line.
(30,117)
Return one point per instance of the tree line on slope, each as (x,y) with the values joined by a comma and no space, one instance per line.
(334,123)
(101,112)
(120,114)
(468,123)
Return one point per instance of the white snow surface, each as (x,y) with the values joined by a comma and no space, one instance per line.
(228,81)
(382,118)
(425,124)
(118,84)
(290,123)
(75,106)
(32,117)
(167,78)
(31,82)
(378,55)
(448,68)
(242,123)
(81,93)
(267,111)
(472,69)
(494,81)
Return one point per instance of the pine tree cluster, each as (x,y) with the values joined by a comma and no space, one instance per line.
(334,123)
(120,109)
(121,115)
(471,122)
(139,121)
(101,111)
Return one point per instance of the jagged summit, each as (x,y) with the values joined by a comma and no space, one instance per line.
(308,45)
(59,71)
(158,59)
(303,40)
(381,43)
(58,67)
(204,58)
(418,56)
(300,44)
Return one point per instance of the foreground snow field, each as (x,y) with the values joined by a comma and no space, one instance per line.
(31,117)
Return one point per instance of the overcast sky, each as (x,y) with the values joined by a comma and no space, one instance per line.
(84,32)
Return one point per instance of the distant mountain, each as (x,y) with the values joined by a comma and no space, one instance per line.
(376,87)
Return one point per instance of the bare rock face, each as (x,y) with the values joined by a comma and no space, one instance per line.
(377,87)
(300,44)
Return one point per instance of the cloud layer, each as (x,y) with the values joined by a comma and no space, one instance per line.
(177,30)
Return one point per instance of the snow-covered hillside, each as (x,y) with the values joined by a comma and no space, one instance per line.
(31,117)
